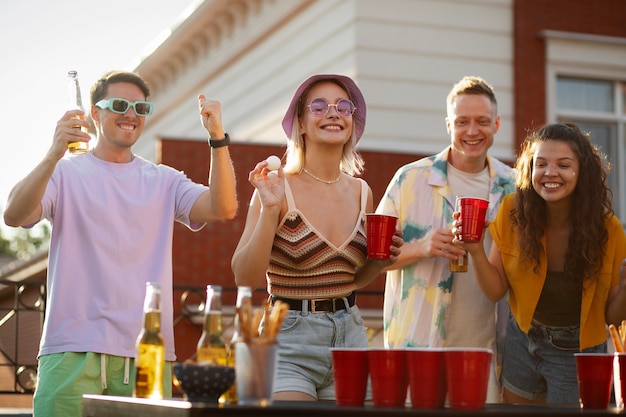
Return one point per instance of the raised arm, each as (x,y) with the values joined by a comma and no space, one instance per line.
(24,203)
(220,202)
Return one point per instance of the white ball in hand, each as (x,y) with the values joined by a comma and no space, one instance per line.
(273,163)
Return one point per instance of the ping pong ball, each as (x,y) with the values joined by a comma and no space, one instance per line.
(273,163)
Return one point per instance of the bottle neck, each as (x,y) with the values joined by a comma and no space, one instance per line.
(152,321)
(244,296)
(74,98)
(212,323)
(152,308)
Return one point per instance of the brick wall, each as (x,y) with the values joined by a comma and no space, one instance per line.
(604,17)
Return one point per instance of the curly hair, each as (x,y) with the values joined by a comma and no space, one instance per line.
(587,242)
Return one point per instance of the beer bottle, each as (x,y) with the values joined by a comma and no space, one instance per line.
(242,293)
(75,102)
(211,347)
(150,356)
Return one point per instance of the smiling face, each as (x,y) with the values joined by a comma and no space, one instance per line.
(555,171)
(119,130)
(330,128)
(472,123)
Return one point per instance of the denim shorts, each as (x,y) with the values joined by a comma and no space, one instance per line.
(305,339)
(540,365)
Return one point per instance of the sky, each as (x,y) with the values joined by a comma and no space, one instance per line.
(41,40)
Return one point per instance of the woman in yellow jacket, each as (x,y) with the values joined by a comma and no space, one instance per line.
(557,251)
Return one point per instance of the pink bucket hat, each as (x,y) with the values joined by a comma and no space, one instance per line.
(353,91)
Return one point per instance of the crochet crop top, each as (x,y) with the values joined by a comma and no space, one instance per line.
(304,265)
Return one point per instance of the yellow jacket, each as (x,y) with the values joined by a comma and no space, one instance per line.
(526,285)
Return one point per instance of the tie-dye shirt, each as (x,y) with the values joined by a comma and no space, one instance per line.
(418,296)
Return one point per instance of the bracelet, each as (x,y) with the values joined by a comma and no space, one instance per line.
(219,143)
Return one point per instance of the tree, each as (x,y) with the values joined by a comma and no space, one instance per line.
(5,245)
(24,243)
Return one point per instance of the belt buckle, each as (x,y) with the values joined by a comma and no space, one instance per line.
(313,307)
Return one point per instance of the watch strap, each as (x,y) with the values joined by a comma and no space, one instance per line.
(219,143)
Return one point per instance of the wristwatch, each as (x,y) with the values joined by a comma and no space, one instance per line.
(220,142)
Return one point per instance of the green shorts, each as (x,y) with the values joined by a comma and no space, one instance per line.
(63,378)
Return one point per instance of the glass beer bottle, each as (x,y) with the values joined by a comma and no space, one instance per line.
(460,264)
(150,356)
(242,293)
(211,347)
(75,102)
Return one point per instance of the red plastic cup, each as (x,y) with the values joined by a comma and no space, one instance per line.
(595,375)
(380,231)
(388,372)
(351,372)
(473,213)
(467,377)
(427,377)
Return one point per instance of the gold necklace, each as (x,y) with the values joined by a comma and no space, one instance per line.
(321,180)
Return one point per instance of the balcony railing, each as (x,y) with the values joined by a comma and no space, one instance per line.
(23,310)
(22,313)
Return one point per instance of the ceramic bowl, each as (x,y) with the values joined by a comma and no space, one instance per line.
(203,382)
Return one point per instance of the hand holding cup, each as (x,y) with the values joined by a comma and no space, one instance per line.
(472,215)
(380,232)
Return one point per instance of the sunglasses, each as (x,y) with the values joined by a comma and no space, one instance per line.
(121,106)
(320,107)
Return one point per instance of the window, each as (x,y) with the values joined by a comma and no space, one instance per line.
(586,85)
(593,105)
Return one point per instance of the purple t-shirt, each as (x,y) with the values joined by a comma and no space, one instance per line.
(112,233)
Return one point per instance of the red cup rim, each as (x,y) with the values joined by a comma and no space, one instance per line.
(594,354)
(474,198)
(380,215)
(345,349)
(425,349)
(467,349)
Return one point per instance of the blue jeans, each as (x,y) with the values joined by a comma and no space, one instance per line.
(305,339)
(540,364)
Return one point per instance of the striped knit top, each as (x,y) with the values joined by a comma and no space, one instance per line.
(304,265)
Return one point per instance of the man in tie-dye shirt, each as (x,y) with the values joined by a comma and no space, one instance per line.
(426,305)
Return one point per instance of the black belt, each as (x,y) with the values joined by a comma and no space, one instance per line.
(323,305)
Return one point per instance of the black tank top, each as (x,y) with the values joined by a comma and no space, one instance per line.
(559,303)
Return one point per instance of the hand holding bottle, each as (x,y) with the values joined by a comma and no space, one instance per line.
(75,102)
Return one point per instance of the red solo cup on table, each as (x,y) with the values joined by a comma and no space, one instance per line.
(467,376)
(595,375)
(473,214)
(389,376)
(351,372)
(427,377)
(380,231)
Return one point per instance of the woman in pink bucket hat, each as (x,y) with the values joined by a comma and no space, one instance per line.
(304,237)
